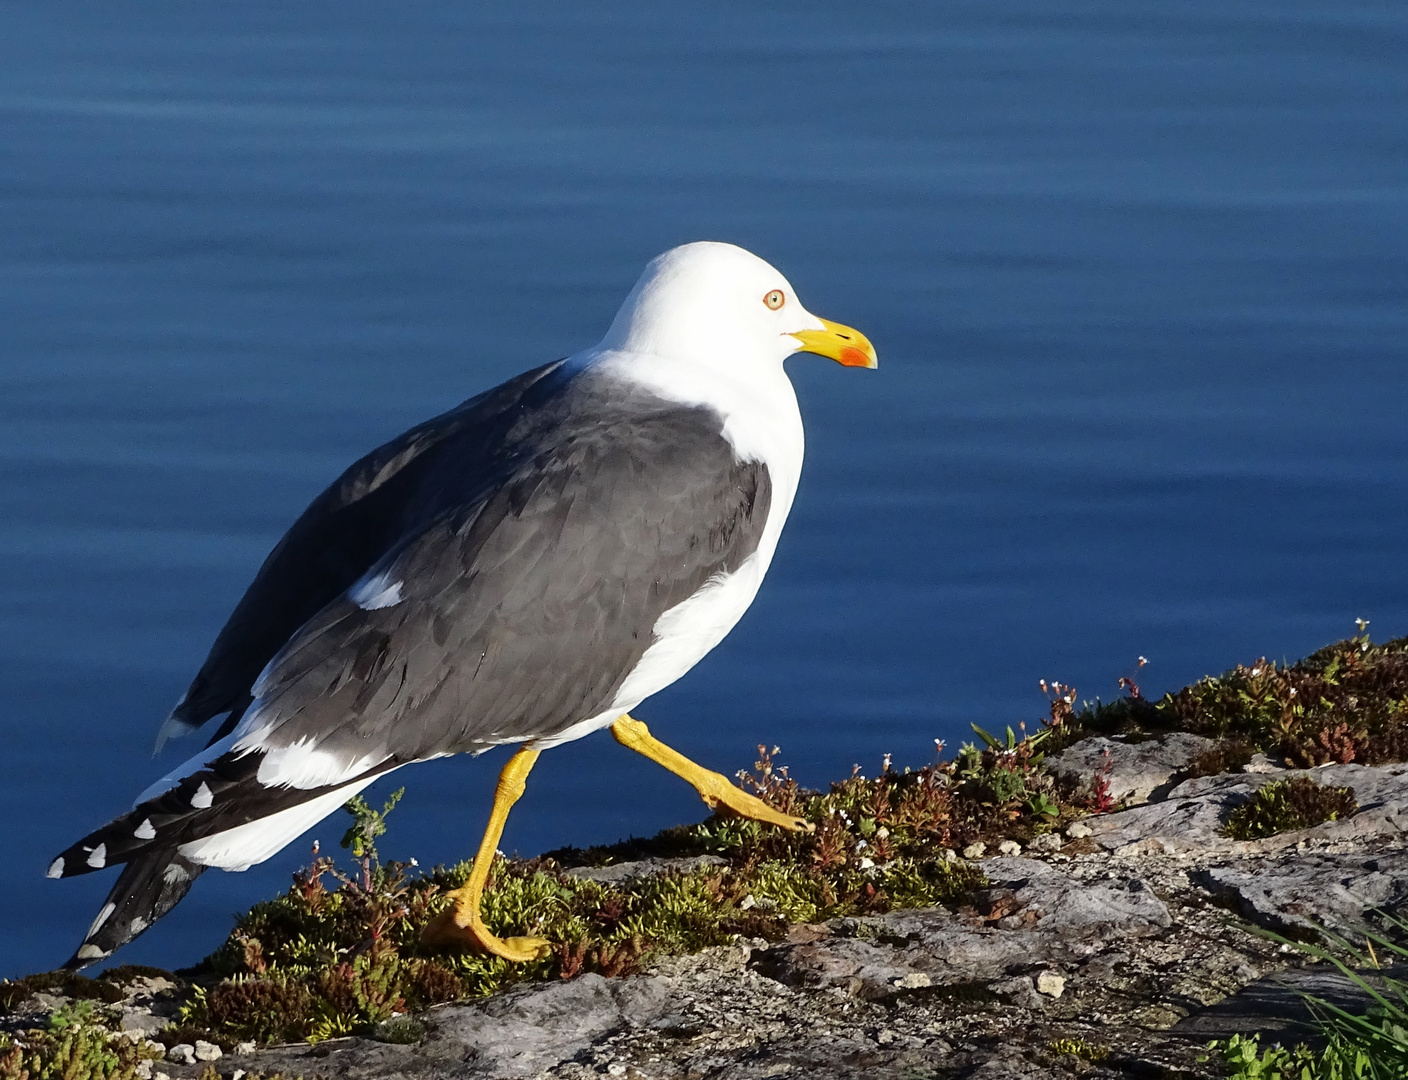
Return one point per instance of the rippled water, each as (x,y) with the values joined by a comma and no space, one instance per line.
(1136,272)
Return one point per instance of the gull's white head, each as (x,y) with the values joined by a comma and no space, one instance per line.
(721,306)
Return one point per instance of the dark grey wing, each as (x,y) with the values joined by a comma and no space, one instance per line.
(521,614)
(512,617)
(345,530)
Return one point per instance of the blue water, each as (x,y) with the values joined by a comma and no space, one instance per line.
(1136,272)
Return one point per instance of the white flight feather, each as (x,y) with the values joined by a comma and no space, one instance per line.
(243,846)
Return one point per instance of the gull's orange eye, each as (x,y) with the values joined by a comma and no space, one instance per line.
(775,299)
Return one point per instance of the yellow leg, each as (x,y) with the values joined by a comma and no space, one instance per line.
(713,788)
(461,924)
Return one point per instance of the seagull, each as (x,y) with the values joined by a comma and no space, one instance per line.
(522,570)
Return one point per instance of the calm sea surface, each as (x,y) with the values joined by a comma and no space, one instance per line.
(1137,273)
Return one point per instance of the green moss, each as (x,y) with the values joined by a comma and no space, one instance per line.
(78,1043)
(1286,805)
(1086,1051)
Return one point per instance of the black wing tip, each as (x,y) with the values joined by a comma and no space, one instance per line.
(146,890)
(86,956)
(79,859)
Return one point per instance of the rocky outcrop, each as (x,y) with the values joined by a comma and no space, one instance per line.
(1032,913)
(1188,821)
(1134,771)
(1131,940)
(1299,892)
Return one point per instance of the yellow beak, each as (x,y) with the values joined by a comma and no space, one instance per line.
(839,343)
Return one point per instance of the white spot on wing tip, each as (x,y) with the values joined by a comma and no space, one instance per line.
(90,952)
(56,868)
(98,858)
(145,831)
(202,799)
(103,917)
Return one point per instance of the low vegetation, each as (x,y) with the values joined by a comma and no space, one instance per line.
(1079,1048)
(1286,805)
(1348,702)
(75,1044)
(339,953)
(1368,1045)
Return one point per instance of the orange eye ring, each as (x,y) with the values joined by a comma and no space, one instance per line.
(775,299)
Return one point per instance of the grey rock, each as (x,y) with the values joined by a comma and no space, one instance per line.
(1046,842)
(1019,991)
(1119,908)
(1050,984)
(1010,1065)
(1138,771)
(523,1033)
(914,981)
(1190,819)
(1260,763)
(1035,913)
(207,1051)
(181,1054)
(1305,890)
(861,968)
(1275,1006)
(641,868)
(141,1021)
